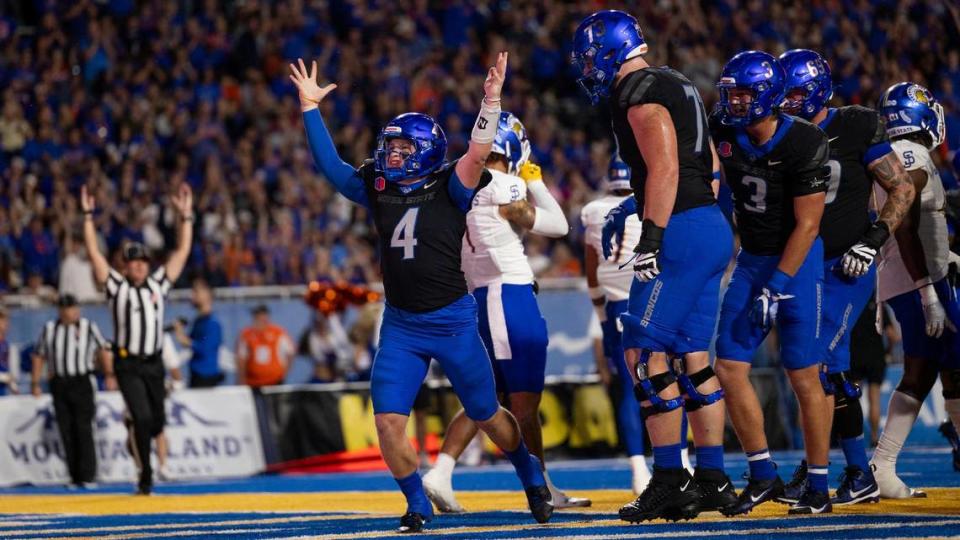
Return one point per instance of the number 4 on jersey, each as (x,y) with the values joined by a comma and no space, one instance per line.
(403,233)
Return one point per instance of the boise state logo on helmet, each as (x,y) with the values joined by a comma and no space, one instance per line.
(511,142)
(911,108)
(808,86)
(428,139)
(750,74)
(618,175)
(601,44)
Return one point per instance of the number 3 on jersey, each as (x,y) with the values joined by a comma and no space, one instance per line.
(403,233)
(758,187)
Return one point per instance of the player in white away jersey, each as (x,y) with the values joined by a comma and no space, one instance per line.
(609,287)
(915,279)
(499,276)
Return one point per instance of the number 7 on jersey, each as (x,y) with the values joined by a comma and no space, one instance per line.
(403,233)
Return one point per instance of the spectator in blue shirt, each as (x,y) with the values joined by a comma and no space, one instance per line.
(204,339)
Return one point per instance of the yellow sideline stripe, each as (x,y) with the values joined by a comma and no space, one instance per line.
(940,501)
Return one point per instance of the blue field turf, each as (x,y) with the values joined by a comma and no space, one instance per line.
(926,467)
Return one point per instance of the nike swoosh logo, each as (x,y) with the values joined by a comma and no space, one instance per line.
(772,163)
(856,494)
(758,497)
(723,487)
(685,486)
(833,139)
(427,186)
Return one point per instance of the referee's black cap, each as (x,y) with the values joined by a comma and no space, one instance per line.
(67,300)
(135,251)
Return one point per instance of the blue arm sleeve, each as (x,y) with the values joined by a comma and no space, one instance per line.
(461,194)
(343,177)
(876,152)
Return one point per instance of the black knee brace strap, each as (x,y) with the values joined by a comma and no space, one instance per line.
(689,383)
(648,389)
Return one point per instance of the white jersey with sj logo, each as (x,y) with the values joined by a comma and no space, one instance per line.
(894,279)
(492,248)
(614,280)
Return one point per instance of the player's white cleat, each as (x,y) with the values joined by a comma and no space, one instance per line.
(641,474)
(561,500)
(439,488)
(164,474)
(891,486)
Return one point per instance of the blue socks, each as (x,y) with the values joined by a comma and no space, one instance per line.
(855,452)
(817,476)
(710,457)
(527,466)
(412,488)
(761,466)
(667,457)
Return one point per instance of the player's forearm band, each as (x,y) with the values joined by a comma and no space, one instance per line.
(928,295)
(485,129)
(595,292)
(716,175)
(778,281)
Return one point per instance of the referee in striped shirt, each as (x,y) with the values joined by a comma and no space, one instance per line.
(68,346)
(136,298)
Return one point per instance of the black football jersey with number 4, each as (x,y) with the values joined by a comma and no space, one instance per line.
(852,130)
(420,236)
(765,179)
(670,89)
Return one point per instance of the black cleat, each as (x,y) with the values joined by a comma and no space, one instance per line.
(672,494)
(812,502)
(412,522)
(716,489)
(757,492)
(796,486)
(540,503)
(144,489)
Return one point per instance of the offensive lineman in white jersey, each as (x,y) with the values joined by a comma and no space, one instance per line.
(609,288)
(916,281)
(499,276)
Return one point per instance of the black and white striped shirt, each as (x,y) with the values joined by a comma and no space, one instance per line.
(138,312)
(69,348)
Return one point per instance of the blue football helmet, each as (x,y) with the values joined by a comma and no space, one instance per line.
(425,134)
(618,175)
(808,72)
(909,108)
(601,44)
(511,142)
(758,72)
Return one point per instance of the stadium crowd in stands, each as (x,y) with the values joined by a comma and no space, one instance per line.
(134,98)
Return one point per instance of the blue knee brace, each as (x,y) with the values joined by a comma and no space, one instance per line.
(689,383)
(842,383)
(649,387)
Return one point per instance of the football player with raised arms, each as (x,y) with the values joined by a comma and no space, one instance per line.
(609,288)
(860,154)
(419,202)
(776,167)
(499,275)
(685,244)
(916,281)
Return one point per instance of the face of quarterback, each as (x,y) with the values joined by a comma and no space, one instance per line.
(398,150)
(793,101)
(740,100)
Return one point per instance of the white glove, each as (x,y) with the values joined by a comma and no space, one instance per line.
(934,313)
(857,260)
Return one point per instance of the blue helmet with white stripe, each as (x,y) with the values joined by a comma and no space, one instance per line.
(511,142)
(601,44)
(911,108)
(808,79)
(618,174)
(757,72)
(428,139)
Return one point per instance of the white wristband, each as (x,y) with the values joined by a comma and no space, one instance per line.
(928,295)
(485,129)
